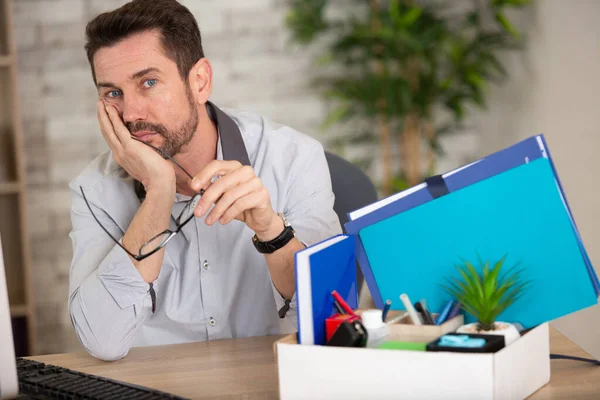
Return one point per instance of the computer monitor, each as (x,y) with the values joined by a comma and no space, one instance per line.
(9,386)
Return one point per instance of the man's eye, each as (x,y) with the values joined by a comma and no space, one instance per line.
(113,93)
(149,82)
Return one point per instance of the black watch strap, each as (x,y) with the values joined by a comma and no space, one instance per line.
(273,245)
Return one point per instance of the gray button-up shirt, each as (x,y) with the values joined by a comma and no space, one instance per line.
(213,283)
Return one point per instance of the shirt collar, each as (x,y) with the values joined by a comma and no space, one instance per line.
(230,137)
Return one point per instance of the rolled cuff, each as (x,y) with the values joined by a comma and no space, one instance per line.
(280,301)
(122,280)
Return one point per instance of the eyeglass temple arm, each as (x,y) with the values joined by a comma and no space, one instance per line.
(103,228)
(164,156)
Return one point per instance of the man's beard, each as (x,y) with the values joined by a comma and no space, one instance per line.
(173,140)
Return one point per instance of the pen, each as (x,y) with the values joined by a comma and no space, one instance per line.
(396,318)
(443,315)
(410,309)
(455,310)
(426,310)
(339,308)
(341,301)
(386,309)
(427,320)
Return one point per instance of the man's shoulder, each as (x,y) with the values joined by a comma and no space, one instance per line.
(260,132)
(100,169)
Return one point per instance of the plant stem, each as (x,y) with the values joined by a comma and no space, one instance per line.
(411,146)
(411,133)
(428,133)
(383,126)
(486,326)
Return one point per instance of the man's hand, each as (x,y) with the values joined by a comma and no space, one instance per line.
(141,162)
(237,194)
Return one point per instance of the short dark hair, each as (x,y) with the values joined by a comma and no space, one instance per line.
(180,35)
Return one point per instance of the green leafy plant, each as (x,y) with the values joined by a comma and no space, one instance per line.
(485,296)
(389,67)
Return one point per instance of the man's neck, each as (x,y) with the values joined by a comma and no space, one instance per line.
(201,150)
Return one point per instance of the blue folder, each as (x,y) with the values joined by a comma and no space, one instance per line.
(509,203)
(321,268)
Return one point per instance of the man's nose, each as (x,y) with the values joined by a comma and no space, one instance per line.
(134,108)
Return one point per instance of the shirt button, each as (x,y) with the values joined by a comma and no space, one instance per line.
(205,265)
(212,321)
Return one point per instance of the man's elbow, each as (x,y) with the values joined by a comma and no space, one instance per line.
(102,350)
(106,353)
(95,343)
(105,350)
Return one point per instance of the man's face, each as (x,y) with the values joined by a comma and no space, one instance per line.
(156,105)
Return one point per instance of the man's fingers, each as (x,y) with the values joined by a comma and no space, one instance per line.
(215,167)
(118,127)
(106,128)
(230,197)
(247,202)
(221,187)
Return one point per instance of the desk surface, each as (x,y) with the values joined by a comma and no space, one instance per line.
(245,368)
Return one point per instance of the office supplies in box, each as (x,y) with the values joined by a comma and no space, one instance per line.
(323,372)
(509,203)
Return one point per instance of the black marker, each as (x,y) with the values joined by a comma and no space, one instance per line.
(427,319)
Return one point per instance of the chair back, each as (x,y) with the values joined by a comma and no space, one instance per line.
(353,189)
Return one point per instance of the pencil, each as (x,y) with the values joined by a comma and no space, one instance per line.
(344,305)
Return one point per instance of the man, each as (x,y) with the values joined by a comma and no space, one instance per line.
(159,257)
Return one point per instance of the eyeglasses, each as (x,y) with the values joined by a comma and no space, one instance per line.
(159,241)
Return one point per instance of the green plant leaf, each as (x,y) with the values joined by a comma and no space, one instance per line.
(339,114)
(476,278)
(411,16)
(475,79)
(506,24)
(483,294)
(491,280)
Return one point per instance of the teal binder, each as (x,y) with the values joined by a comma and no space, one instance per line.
(519,213)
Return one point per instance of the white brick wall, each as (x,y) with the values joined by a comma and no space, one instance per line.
(254,69)
(48,11)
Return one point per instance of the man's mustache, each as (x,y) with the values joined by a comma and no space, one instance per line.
(138,126)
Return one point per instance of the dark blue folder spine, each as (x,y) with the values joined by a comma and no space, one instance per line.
(588,263)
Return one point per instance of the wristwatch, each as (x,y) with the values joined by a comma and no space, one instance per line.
(271,246)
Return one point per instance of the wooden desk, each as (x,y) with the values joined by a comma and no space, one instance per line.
(245,368)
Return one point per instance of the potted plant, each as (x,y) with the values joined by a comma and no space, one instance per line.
(486,296)
(399,74)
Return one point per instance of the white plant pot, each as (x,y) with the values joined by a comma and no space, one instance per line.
(509,331)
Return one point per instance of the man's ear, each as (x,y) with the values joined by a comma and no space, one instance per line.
(200,79)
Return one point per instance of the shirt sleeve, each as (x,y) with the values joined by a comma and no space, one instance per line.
(309,208)
(108,298)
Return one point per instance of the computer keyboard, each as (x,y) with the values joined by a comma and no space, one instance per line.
(44,381)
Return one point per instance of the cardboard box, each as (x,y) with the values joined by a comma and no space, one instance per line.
(321,372)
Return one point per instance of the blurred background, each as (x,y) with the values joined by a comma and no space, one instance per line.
(398,88)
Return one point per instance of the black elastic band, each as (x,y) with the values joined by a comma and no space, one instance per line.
(283,310)
(153,297)
(436,186)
